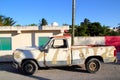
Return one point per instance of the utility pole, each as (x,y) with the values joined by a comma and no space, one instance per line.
(73,20)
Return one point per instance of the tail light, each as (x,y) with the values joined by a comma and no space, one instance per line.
(115,52)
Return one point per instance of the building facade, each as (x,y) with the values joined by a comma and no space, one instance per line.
(12,38)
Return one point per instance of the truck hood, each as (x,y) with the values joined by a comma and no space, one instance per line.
(26,53)
(28,48)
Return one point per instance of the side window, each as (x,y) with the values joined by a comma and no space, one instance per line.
(5,43)
(59,43)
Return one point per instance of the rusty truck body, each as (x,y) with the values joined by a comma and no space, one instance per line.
(59,52)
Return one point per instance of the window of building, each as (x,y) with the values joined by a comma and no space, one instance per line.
(5,43)
(43,40)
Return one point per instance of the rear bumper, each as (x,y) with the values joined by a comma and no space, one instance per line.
(112,59)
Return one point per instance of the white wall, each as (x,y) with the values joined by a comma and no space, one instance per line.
(89,41)
(20,40)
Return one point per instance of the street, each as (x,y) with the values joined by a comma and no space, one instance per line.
(109,71)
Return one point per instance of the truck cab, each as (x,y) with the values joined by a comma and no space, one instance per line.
(58,52)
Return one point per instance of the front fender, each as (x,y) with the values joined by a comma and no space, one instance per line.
(20,55)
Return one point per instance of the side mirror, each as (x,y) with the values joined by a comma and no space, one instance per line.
(46,50)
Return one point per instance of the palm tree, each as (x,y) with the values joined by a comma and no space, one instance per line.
(1,20)
(6,21)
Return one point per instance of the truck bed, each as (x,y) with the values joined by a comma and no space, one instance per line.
(83,46)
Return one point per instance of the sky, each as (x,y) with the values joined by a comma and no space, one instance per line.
(25,12)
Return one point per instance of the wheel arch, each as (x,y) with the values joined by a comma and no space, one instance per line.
(96,57)
(30,60)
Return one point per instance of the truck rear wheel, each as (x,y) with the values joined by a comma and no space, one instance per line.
(29,67)
(93,65)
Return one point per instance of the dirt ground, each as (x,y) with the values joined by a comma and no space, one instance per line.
(109,71)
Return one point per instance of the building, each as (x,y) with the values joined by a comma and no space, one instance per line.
(12,38)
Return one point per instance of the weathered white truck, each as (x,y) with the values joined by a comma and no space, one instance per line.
(59,52)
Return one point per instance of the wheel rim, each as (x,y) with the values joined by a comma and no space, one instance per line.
(93,66)
(29,68)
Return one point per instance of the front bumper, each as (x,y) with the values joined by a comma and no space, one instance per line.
(15,65)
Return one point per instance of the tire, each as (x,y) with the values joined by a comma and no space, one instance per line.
(93,65)
(29,67)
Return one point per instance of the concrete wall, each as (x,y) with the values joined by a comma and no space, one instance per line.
(89,41)
(11,28)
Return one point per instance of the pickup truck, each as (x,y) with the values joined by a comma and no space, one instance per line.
(59,52)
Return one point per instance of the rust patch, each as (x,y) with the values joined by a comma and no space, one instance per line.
(68,60)
(104,55)
(17,55)
(41,55)
(95,51)
(81,55)
(87,51)
(54,60)
(111,53)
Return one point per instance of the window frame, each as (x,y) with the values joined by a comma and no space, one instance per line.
(53,41)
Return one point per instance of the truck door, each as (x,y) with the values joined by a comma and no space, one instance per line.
(58,53)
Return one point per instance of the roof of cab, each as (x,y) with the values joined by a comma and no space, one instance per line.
(62,37)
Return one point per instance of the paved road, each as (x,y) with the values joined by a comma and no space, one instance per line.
(107,72)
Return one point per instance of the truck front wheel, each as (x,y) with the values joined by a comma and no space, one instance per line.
(29,67)
(93,65)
